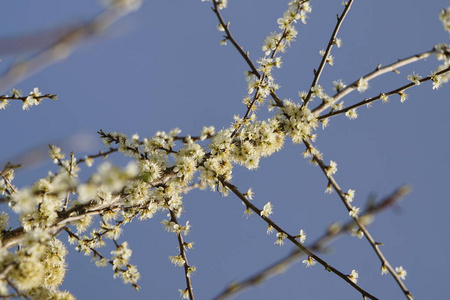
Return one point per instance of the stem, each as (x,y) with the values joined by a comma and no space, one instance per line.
(317,73)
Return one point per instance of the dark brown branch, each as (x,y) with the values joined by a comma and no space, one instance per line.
(331,42)
(332,233)
(293,240)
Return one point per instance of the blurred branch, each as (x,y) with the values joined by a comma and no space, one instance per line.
(64,44)
(37,155)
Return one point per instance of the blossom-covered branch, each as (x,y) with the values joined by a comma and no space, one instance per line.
(34,98)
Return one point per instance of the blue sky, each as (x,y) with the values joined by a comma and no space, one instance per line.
(162,67)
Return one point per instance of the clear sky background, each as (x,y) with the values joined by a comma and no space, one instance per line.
(162,67)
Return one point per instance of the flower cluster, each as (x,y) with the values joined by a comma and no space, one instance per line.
(37,268)
(297,10)
(275,42)
(297,121)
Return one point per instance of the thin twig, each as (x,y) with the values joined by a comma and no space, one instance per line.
(100,154)
(377,72)
(249,62)
(181,246)
(331,42)
(372,99)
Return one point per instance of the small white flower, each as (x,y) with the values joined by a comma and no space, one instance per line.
(414,78)
(362,85)
(401,272)
(358,233)
(309,262)
(351,114)
(384,98)
(177,260)
(350,195)
(280,238)
(353,276)
(354,212)
(403,96)
(332,168)
(267,210)
(302,236)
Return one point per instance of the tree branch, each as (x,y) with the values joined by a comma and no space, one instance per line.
(331,42)
(333,232)
(293,240)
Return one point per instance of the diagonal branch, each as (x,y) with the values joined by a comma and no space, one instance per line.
(331,42)
(375,245)
(333,232)
(293,240)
